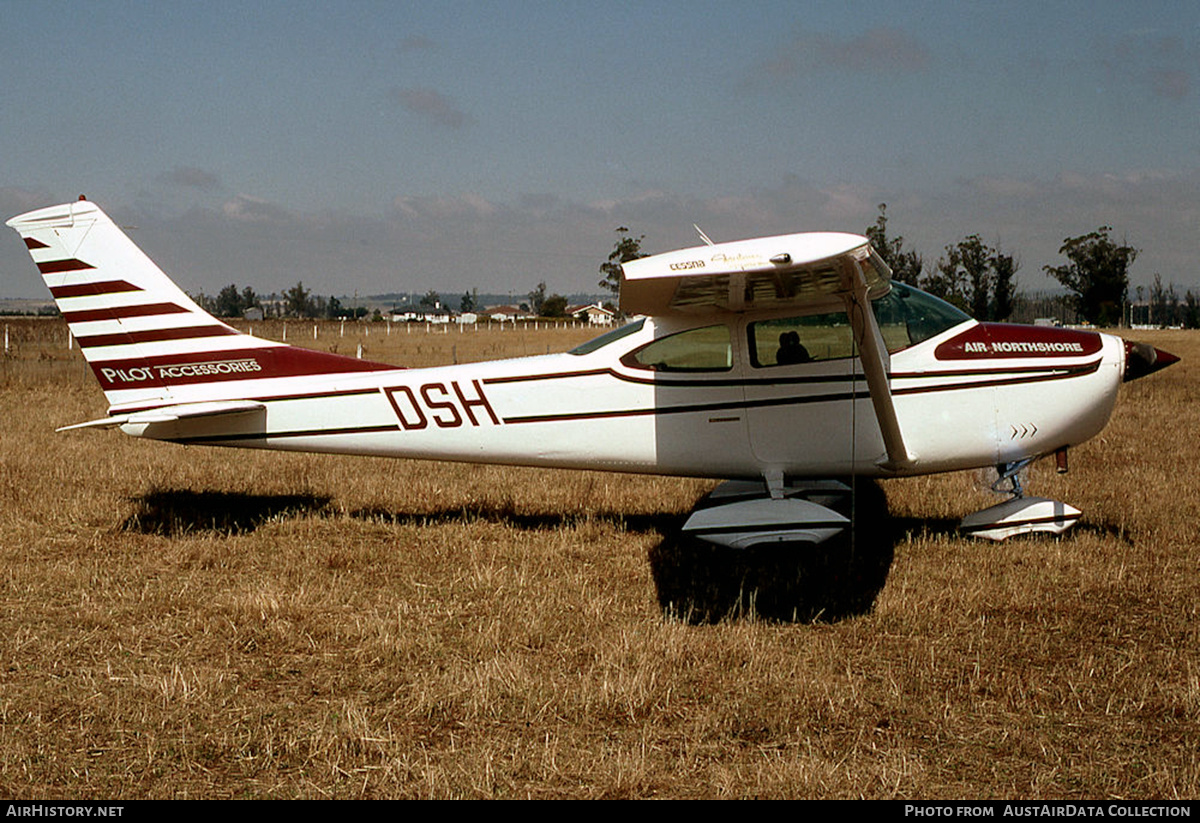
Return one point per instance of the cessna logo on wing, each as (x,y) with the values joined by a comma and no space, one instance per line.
(181,370)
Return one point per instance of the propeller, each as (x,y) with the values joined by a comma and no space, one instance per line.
(1142,359)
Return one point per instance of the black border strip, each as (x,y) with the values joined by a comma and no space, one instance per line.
(266,437)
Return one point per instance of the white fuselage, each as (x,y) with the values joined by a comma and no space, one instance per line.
(959,405)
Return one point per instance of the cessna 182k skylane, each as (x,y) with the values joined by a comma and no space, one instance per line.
(785,361)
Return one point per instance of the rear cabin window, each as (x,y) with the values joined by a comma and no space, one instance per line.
(708,349)
(787,341)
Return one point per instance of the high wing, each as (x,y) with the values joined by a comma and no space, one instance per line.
(800,271)
(789,271)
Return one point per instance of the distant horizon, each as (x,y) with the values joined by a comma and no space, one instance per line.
(487,300)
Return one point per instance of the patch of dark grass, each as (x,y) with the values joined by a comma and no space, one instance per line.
(174,512)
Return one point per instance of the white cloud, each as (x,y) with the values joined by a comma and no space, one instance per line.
(430,105)
(881,51)
(246,209)
(1160,63)
(445,207)
(190,177)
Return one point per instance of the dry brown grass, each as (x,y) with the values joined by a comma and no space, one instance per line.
(182,622)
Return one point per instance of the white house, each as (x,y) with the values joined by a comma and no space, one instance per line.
(595,314)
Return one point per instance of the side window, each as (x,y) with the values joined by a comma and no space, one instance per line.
(697,350)
(787,341)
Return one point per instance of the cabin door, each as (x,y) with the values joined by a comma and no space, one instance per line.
(807,405)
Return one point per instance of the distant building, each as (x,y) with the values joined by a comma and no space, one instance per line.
(423,316)
(593,313)
(506,314)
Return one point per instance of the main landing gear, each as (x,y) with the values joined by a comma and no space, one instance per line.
(793,551)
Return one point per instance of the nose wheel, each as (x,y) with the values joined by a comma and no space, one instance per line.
(1020,514)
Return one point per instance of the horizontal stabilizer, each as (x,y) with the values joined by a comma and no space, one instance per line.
(102,423)
(170,414)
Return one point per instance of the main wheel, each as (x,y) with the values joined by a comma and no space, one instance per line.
(701,582)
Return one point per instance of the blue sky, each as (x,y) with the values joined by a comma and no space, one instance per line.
(373,147)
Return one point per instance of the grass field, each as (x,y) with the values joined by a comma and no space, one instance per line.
(188,622)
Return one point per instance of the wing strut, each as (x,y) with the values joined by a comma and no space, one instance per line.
(870,344)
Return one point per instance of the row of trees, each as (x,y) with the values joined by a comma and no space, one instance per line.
(978,278)
(300,302)
(1097,274)
(546,305)
(294,302)
(1164,307)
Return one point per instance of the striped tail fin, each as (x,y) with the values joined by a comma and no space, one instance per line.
(148,343)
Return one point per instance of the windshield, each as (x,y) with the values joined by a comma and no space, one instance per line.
(908,316)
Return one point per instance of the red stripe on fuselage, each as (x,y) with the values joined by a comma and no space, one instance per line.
(988,341)
(222,366)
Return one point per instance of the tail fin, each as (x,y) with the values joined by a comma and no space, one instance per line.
(147,342)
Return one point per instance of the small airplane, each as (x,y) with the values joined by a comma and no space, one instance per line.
(782,365)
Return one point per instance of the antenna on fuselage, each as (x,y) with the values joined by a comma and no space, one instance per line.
(703,236)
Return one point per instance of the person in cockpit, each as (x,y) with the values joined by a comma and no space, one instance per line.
(791,350)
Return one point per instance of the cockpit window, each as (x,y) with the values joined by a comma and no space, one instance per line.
(787,341)
(908,316)
(705,349)
(609,337)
